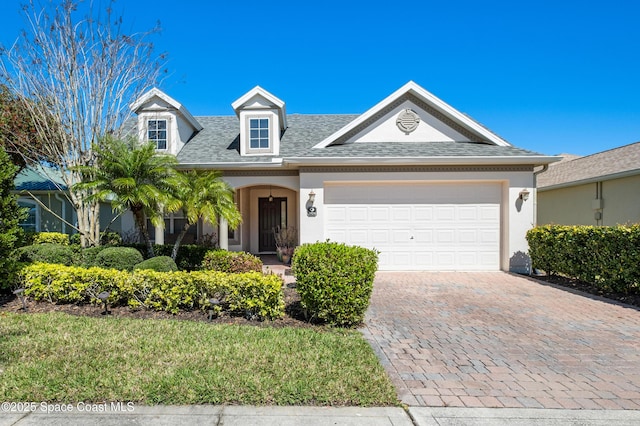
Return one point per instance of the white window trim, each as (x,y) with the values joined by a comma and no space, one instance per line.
(167,120)
(270,148)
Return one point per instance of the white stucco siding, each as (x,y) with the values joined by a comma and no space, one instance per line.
(496,219)
(430,129)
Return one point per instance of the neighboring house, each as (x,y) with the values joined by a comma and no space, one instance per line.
(42,191)
(599,189)
(412,177)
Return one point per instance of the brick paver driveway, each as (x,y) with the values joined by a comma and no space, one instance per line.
(500,340)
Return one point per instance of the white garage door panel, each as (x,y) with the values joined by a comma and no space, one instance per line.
(459,231)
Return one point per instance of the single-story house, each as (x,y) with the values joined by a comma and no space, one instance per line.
(42,191)
(424,184)
(599,189)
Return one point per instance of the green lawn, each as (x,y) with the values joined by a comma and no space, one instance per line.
(57,357)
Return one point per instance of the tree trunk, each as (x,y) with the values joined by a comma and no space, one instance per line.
(142,228)
(176,246)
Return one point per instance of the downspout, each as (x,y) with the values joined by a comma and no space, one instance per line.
(545,167)
(64,211)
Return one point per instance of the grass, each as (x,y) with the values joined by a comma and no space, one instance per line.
(57,357)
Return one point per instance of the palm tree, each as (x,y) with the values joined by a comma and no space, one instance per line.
(135,177)
(204,195)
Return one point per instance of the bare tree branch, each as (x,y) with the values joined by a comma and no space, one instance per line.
(76,75)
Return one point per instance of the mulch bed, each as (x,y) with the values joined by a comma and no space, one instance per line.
(294,316)
(569,283)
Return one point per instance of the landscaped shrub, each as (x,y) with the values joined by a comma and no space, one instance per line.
(607,256)
(106,238)
(110,239)
(122,258)
(47,253)
(52,238)
(189,256)
(10,216)
(335,281)
(73,284)
(158,264)
(251,294)
(88,255)
(231,261)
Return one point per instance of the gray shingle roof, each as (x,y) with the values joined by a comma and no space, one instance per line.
(218,142)
(606,164)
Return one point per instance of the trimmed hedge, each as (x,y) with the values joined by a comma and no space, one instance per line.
(335,281)
(89,254)
(48,253)
(607,256)
(122,258)
(251,294)
(158,264)
(189,258)
(231,261)
(51,238)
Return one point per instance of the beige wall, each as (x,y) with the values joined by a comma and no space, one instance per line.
(567,206)
(621,201)
(574,205)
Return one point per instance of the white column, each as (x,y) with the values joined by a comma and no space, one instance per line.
(223,234)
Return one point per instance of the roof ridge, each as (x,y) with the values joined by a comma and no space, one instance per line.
(604,152)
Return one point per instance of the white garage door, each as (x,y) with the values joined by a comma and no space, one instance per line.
(419,226)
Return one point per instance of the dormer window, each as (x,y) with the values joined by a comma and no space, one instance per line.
(157,133)
(262,121)
(259,133)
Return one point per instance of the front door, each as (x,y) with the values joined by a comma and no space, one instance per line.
(272,214)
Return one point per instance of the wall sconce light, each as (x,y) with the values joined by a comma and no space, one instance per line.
(524,195)
(311,210)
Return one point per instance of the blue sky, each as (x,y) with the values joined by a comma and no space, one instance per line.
(549,76)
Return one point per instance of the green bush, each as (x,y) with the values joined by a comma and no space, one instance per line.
(51,238)
(158,264)
(607,256)
(110,239)
(122,258)
(231,261)
(47,253)
(251,294)
(335,281)
(189,256)
(11,214)
(106,238)
(88,255)
(73,284)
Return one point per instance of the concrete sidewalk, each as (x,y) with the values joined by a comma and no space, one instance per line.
(318,416)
